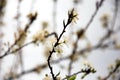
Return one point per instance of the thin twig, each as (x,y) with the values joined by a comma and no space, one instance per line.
(112,72)
(22,46)
(95,13)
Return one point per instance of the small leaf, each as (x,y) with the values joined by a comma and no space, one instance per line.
(58,74)
(84,76)
(72,77)
(64,23)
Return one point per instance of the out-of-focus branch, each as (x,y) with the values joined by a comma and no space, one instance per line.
(43,66)
(32,18)
(34,41)
(36,69)
(72,57)
(115,13)
(108,76)
(98,6)
(2,12)
(116,68)
(19,56)
(2,6)
(110,31)
(98,46)
(22,46)
(82,32)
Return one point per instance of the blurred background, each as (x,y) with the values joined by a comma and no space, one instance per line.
(99,46)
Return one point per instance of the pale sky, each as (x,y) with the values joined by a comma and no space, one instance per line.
(100,59)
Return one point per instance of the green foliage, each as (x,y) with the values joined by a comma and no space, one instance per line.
(57,74)
(72,77)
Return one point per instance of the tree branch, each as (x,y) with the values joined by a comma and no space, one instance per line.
(71,16)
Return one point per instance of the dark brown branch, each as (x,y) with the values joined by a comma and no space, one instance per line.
(71,16)
(51,52)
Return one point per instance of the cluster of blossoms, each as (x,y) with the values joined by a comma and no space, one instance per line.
(40,35)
